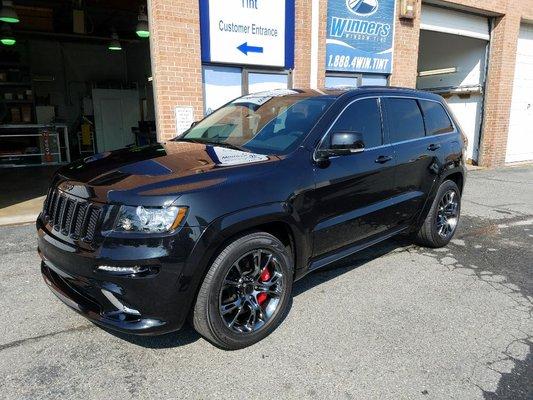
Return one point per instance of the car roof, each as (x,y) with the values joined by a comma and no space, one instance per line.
(347,92)
(393,90)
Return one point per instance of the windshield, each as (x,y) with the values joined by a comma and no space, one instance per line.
(260,123)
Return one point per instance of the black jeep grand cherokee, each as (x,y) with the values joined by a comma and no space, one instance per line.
(217,224)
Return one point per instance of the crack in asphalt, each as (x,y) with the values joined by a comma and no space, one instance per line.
(518,382)
(496,207)
(503,180)
(22,342)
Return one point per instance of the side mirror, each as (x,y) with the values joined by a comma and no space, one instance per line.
(343,143)
(194,124)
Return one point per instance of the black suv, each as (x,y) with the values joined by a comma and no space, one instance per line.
(216,224)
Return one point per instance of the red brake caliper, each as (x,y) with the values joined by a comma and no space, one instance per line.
(265,276)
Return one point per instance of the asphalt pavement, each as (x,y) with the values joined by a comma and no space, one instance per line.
(394,322)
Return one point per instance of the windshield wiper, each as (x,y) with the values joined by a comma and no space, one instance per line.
(212,143)
(176,139)
(228,145)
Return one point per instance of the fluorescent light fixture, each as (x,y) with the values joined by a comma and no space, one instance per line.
(114,44)
(8,13)
(142,29)
(6,36)
(8,41)
(441,71)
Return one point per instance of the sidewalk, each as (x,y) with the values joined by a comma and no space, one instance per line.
(23,194)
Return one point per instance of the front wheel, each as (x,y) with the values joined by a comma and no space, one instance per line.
(441,222)
(246,292)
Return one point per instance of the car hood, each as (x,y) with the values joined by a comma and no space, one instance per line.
(157,174)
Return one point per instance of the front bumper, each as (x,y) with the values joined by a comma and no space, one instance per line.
(149,304)
(123,319)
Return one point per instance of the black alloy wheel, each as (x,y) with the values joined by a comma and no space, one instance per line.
(447,214)
(246,292)
(443,217)
(251,291)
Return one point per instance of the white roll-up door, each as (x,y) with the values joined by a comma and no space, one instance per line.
(456,39)
(455,22)
(520,137)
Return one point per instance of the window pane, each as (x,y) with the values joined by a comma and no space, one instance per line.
(260,82)
(374,80)
(333,82)
(221,84)
(362,116)
(437,120)
(405,119)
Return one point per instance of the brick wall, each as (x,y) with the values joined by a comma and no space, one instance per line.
(177,72)
(499,90)
(302,49)
(405,56)
(302,46)
(176,60)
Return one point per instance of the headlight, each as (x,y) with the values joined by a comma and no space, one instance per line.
(149,219)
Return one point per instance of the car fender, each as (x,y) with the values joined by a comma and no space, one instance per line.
(222,229)
(456,168)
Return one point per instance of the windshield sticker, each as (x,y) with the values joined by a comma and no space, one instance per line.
(261,98)
(223,156)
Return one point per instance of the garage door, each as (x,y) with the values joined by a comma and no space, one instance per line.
(520,139)
(465,37)
(455,22)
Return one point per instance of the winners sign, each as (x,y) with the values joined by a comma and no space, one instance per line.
(360,36)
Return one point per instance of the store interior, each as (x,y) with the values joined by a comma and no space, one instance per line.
(75,79)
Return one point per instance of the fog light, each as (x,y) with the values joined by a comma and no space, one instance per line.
(136,269)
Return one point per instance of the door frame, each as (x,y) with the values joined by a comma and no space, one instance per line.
(247,71)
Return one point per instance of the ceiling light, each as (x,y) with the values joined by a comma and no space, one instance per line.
(114,44)
(142,29)
(441,71)
(6,36)
(8,13)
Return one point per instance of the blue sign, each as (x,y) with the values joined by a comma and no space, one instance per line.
(360,35)
(248,32)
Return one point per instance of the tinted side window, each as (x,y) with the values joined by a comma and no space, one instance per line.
(404,119)
(362,116)
(437,120)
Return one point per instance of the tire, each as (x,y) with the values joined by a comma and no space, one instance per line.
(430,234)
(214,292)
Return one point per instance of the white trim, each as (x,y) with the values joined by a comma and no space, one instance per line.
(315,23)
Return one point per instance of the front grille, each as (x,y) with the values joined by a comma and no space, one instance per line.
(73,217)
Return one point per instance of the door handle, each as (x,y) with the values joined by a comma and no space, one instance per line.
(383,159)
(433,147)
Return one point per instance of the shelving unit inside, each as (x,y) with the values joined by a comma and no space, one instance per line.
(17,100)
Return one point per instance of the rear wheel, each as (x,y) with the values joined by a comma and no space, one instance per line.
(246,292)
(443,217)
